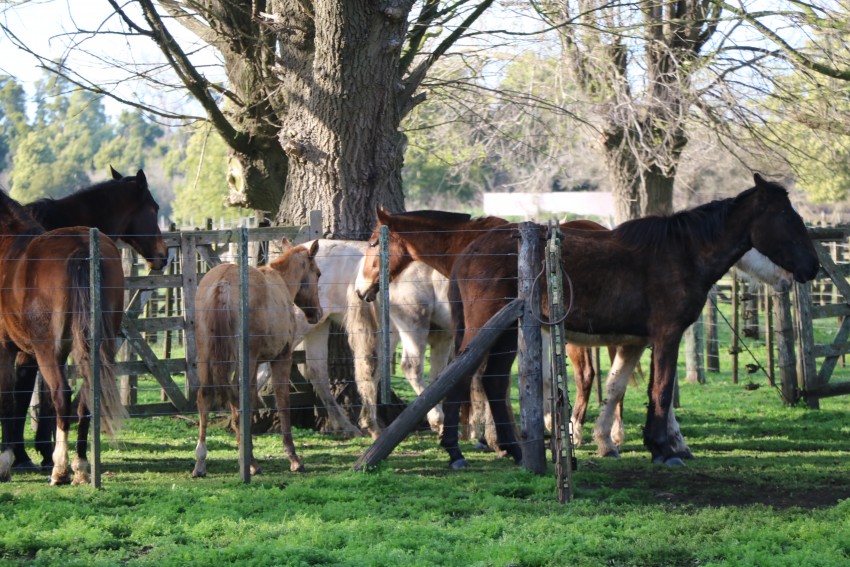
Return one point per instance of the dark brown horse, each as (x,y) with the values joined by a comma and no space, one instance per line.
(646,278)
(123,208)
(437,238)
(45,313)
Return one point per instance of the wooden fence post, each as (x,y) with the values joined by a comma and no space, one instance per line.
(784,333)
(530,265)
(694,343)
(188,251)
(735,349)
(806,368)
(712,357)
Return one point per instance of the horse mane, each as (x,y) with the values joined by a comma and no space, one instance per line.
(699,224)
(436,216)
(44,209)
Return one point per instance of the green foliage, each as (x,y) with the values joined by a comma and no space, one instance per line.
(132,139)
(200,192)
(13,117)
(810,121)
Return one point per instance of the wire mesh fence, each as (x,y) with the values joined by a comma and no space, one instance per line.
(335,372)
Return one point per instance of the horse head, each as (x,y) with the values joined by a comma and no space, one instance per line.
(367,283)
(301,263)
(142,229)
(778,231)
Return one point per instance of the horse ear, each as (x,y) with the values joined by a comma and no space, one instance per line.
(759,180)
(140,177)
(314,248)
(285,244)
(383,214)
(115,175)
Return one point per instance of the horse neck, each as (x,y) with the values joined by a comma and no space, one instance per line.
(95,208)
(18,228)
(732,242)
(440,246)
(291,272)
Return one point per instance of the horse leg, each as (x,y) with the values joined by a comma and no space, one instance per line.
(664,357)
(200,469)
(316,372)
(455,398)
(676,438)
(413,344)
(281,370)
(496,382)
(625,360)
(80,464)
(60,394)
(7,383)
(584,375)
(46,429)
(25,373)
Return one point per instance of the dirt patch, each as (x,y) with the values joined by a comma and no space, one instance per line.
(682,486)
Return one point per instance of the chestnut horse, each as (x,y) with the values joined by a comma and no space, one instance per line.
(45,313)
(274,291)
(437,238)
(122,208)
(648,278)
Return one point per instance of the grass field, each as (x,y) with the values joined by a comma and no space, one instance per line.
(770,486)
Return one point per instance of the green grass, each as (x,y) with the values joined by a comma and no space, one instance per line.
(768,488)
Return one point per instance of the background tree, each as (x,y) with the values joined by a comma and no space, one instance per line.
(14,124)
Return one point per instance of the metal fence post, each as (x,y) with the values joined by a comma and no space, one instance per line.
(384,306)
(244,363)
(94,352)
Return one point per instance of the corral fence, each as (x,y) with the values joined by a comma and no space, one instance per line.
(161,308)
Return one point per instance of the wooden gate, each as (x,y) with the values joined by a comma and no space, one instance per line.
(822,325)
(164,304)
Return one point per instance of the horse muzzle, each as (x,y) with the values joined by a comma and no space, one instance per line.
(370,294)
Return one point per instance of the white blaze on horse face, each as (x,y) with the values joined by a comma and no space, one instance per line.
(760,267)
(362,283)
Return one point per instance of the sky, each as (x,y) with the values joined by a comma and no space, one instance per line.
(44,26)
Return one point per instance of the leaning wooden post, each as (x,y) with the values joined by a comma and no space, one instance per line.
(768,335)
(244,363)
(95,315)
(784,333)
(530,266)
(463,365)
(384,307)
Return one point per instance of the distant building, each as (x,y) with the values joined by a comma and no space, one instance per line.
(534,205)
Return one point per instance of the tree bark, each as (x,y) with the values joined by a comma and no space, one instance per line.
(341,131)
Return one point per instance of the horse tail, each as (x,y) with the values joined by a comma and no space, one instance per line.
(456,305)
(362,325)
(113,411)
(219,324)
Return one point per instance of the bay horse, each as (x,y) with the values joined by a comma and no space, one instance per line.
(419,316)
(45,313)
(122,208)
(274,291)
(647,279)
(437,238)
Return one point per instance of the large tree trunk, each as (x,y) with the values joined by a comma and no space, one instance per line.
(341,132)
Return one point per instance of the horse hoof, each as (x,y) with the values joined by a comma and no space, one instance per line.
(674,462)
(612,455)
(483,447)
(459,464)
(27,465)
(60,480)
(686,455)
(196,474)
(299,469)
